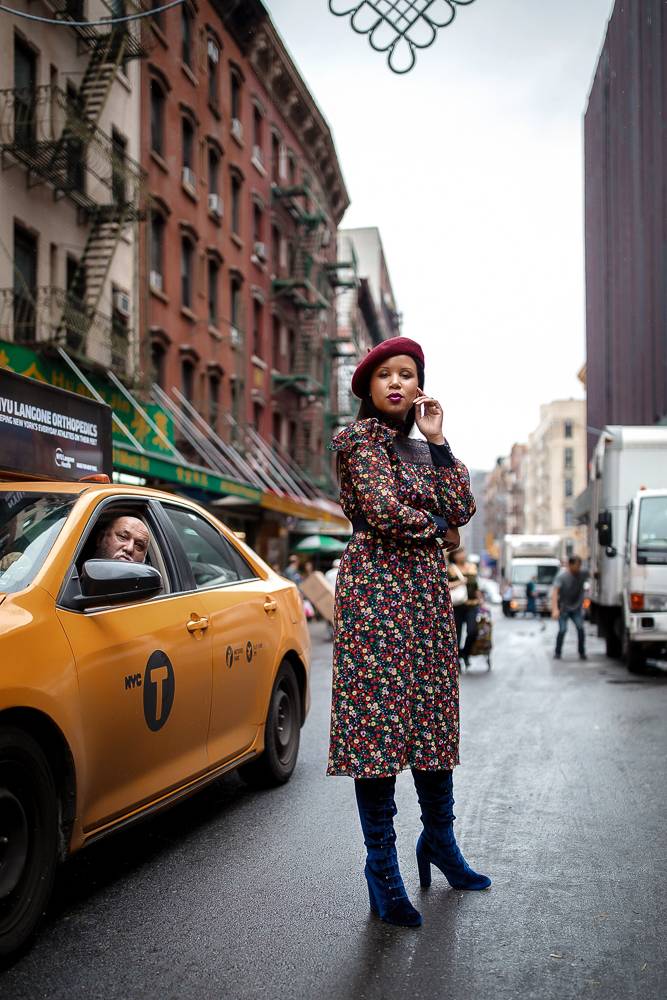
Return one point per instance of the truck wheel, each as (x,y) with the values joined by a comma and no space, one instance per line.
(281,735)
(28,840)
(634,656)
(613,645)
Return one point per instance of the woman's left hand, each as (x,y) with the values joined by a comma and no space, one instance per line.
(452,540)
(428,417)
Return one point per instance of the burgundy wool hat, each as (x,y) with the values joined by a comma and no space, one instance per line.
(387,349)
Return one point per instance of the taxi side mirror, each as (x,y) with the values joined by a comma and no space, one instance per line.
(110,581)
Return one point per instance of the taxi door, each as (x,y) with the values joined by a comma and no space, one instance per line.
(145,687)
(245,631)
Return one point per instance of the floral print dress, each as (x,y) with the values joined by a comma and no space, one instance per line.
(395,700)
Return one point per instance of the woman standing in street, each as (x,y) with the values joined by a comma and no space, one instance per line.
(395,686)
(462,573)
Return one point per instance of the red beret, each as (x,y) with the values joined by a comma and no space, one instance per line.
(387,349)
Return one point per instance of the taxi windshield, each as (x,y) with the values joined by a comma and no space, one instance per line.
(29,526)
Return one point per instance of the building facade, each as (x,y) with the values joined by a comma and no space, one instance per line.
(554,473)
(247,194)
(366,312)
(73,192)
(625,137)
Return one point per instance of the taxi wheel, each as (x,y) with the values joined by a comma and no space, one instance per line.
(281,735)
(28,840)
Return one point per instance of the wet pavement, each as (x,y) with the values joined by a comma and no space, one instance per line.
(244,895)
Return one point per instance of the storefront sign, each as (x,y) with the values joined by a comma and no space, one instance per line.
(187,475)
(50,432)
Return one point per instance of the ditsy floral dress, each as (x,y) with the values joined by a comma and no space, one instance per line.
(395,684)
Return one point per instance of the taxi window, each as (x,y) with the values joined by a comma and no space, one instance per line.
(213,560)
(29,526)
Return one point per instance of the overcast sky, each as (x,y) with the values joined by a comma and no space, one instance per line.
(471,167)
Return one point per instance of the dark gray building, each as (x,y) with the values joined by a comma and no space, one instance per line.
(625,137)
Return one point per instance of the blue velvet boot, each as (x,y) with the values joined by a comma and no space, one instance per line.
(437,844)
(375,801)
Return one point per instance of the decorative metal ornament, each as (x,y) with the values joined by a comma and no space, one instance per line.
(399,27)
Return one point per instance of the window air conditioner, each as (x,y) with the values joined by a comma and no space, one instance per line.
(237,128)
(122,304)
(212,51)
(234,335)
(215,205)
(257,154)
(156,280)
(189,177)
(261,250)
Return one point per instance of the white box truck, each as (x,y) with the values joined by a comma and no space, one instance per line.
(528,556)
(628,519)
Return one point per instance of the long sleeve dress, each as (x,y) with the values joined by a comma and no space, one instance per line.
(395,700)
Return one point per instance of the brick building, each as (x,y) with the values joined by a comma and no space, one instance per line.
(241,249)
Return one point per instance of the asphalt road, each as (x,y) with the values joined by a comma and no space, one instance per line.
(244,895)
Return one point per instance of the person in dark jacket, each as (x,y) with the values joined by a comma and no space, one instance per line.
(395,683)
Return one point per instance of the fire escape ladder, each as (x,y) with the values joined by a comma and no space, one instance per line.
(106,57)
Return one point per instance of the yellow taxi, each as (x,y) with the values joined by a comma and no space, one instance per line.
(144,652)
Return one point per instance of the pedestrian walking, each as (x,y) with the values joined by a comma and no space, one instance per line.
(292,569)
(460,574)
(567,598)
(395,684)
(507,595)
(531,592)
(332,573)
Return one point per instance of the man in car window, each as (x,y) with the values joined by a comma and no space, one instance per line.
(126,538)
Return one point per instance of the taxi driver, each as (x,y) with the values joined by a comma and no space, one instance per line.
(126,538)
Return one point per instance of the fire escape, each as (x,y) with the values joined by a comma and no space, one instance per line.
(55,134)
(309,287)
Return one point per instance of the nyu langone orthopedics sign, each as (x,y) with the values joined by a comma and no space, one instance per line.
(46,431)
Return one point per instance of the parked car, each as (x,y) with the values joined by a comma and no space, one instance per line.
(125,685)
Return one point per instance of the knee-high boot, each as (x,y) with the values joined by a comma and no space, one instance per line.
(437,844)
(375,801)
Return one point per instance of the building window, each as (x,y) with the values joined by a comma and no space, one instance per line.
(213,56)
(213,401)
(187,258)
(568,428)
(235,298)
(25,79)
(187,47)
(74,148)
(236,98)
(275,158)
(188,150)
(76,320)
(275,344)
(187,379)
(257,415)
(236,205)
(157,363)
(157,251)
(257,224)
(213,172)
(568,487)
(257,318)
(257,130)
(25,284)
(568,522)
(118,147)
(156,17)
(292,171)
(275,249)
(569,458)
(157,118)
(120,338)
(277,426)
(213,276)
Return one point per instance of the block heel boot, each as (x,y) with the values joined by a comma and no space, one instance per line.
(437,844)
(386,892)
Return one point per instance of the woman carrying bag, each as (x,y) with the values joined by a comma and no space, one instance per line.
(395,685)
(466,599)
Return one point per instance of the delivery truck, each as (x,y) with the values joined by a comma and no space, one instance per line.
(528,556)
(628,505)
